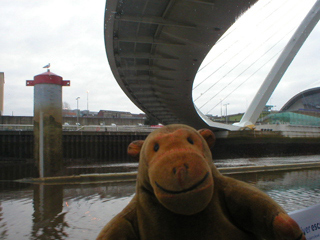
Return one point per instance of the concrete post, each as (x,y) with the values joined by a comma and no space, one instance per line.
(48,122)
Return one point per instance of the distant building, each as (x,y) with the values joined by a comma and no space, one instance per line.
(268,108)
(301,110)
(69,113)
(101,114)
(114,114)
(140,115)
(73,113)
(306,101)
(87,113)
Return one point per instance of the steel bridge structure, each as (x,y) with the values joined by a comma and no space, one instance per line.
(155,48)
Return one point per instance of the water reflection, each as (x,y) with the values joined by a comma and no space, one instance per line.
(48,218)
(3,225)
(291,189)
(80,211)
(60,211)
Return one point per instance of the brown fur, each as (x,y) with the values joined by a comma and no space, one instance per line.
(181,195)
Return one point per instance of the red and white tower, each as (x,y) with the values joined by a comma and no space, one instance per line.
(48,122)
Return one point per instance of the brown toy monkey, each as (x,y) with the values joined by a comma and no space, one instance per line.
(181,195)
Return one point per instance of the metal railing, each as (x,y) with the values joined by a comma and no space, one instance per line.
(85,128)
(16,127)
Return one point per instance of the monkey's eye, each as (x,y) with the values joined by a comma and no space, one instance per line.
(190,140)
(156,147)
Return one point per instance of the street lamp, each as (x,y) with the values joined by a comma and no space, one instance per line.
(226,111)
(88,102)
(221,108)
(77,110)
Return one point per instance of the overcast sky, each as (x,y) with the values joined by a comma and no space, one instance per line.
(68,34)
(247,53)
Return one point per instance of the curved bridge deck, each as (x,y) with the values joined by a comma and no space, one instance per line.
(156,47)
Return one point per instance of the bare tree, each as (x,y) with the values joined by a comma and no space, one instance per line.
(66,105)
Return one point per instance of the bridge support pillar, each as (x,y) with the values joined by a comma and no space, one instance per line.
(48,122)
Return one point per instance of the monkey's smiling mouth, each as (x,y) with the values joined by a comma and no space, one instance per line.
(185,190)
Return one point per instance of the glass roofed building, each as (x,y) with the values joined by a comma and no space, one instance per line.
(303,109)
(292,119)
(305,101)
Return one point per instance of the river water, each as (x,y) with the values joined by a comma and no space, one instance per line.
(79,211)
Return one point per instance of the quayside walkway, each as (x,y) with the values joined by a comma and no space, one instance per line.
(128,172)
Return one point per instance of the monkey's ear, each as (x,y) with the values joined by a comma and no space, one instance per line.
(209,136)
(134,149)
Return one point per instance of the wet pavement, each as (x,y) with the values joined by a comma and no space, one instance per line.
(80,211)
